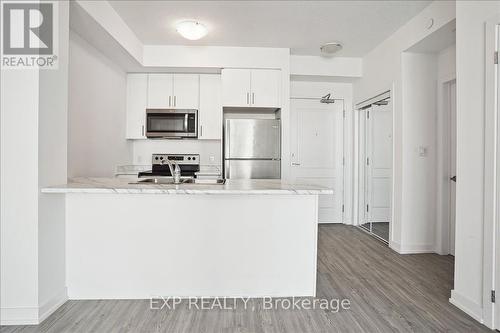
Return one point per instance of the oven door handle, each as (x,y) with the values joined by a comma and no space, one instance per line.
(186,128)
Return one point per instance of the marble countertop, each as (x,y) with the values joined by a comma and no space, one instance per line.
(121,185)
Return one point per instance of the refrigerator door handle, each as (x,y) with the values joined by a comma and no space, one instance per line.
(226,139)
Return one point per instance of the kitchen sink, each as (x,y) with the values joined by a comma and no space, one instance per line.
(170,181)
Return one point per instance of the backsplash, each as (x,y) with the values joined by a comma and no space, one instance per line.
(210,151)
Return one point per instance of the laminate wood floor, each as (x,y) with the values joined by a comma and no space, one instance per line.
(381,229)
(388,292)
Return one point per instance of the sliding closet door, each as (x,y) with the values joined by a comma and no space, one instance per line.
(379,166)
(376,138)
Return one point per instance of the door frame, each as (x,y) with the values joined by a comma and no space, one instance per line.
(443,226)
(488,312)
(360,158)
(491,218)
(345,189)
(491,205)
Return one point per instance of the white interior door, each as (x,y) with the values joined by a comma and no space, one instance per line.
(453,161)
(378,163)
(317,152)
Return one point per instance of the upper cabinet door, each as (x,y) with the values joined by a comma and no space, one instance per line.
(160,91)
(236,87)
(186,91)
(266,88)
(137,97)
(210,113)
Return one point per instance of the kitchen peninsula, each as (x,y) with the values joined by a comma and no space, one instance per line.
(248,238)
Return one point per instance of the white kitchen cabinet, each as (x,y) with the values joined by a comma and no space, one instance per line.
(137,99)
(236,87)
(265,88)
(160,91)
(210,112)
(251,88)
(185,91)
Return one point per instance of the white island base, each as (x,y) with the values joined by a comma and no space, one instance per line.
(137,246)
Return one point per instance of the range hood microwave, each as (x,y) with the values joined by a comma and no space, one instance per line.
(171,123)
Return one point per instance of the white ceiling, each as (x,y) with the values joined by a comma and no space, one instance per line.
(300,25)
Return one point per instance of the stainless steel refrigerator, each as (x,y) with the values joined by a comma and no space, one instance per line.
(252,149)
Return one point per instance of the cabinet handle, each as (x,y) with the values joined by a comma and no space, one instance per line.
(175,100)
(201,130)
(248,98)
(169,100)
(142,130)
(253,98)
(295,164)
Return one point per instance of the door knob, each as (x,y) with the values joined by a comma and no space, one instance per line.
(454,179)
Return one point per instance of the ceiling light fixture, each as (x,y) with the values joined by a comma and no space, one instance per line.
(329,49)
(192,30)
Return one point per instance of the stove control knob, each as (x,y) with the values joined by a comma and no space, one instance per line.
(161,157)
(189,158)
(194,158)
(156,158)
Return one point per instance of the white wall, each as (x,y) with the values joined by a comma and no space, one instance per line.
(33,154)
(326,66)
(468,289)
(419,89)
(19,194)
(382,71)
(97,117)
(52,170)
(447,62)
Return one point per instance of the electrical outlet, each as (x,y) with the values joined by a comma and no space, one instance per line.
(212,158)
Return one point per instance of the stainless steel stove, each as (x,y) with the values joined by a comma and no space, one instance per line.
(188,163)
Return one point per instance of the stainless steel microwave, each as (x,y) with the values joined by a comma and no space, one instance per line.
(171,123)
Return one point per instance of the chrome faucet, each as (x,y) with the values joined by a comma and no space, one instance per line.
(175,171)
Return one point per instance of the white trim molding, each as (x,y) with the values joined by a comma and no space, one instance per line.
(412,248)
(472,308)
(19,316)
(32,315)
(51,305)
(491,173)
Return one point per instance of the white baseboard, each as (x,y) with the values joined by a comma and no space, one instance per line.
(19,315)
(50,306)
(412,248)
(32,315)
(472,308)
